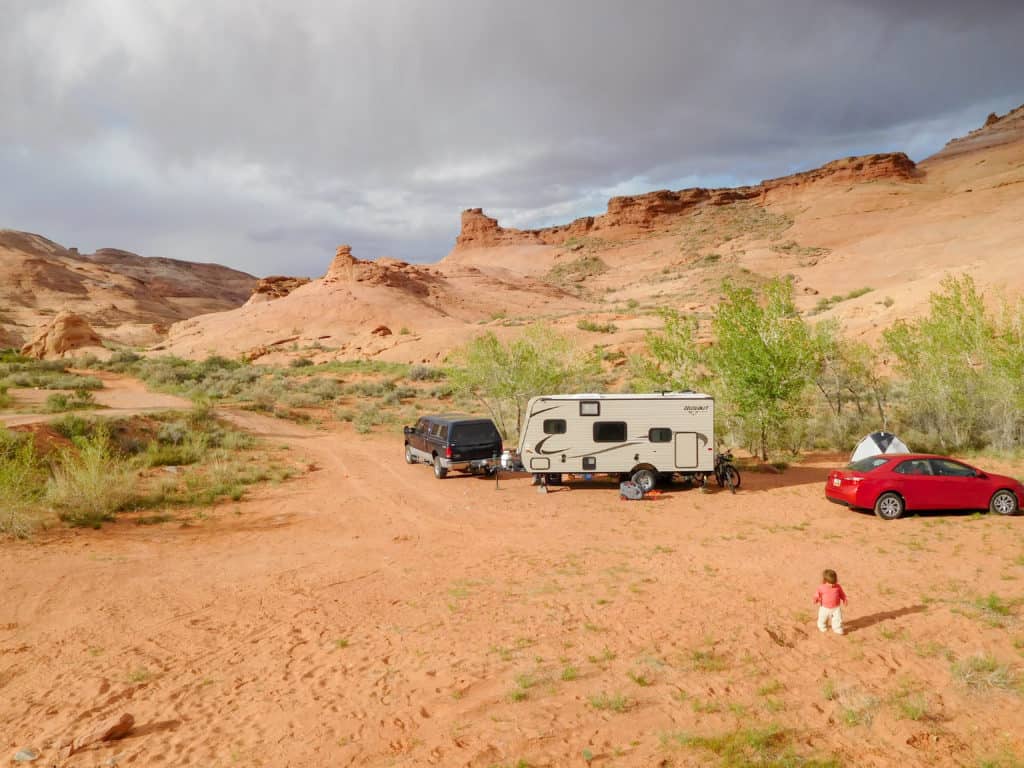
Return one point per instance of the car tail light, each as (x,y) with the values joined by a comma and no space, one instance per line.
(448,452)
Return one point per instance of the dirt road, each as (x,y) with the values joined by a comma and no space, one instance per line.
(120,396)
(370,615)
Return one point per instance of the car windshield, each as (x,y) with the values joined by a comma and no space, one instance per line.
(866,465)
(475,432)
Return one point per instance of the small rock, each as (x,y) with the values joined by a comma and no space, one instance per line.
(25,755)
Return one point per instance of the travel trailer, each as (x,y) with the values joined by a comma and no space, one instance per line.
(640,437)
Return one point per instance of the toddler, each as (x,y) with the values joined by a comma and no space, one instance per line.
(829,596)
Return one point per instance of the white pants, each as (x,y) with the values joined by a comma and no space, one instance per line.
(835,614)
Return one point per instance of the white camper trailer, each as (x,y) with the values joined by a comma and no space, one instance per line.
(641,436)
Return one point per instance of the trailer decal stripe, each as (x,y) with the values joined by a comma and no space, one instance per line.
(543,410)
(540,449)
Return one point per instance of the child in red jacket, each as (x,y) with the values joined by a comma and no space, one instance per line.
(829,596)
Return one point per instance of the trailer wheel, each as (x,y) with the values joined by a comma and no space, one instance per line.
(646,479)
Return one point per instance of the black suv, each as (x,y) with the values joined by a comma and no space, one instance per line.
(453,441)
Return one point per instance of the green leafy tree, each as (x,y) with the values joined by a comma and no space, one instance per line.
(502,377)
(674,359)
(764,357)
(851,384)
(961,368)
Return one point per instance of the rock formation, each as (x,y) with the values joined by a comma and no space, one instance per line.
(124,295)
(66,332)
(412,278)
(997,131)
(631,214)
(275,287)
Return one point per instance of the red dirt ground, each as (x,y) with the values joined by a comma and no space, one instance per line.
(370,615)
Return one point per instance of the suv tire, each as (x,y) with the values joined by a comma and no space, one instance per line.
(440,470)
(408,455)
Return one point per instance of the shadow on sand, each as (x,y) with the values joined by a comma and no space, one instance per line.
(863,622)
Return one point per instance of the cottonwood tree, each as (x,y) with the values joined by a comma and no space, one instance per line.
(850,381)
(675,360)
(761,361)
(961,368)
(503,376)
(764,357)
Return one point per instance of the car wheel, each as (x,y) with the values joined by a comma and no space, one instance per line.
(890,506)
(408,455)
(440,471)
(1003,503)
(645,479)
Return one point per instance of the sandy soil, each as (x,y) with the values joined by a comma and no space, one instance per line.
(370,615)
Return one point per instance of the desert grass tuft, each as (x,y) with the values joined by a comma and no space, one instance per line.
(90,485)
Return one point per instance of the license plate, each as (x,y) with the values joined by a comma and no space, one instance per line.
(836,481)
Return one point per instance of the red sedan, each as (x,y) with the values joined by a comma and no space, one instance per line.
(892,484)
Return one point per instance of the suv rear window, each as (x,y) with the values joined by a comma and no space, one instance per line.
(475,432)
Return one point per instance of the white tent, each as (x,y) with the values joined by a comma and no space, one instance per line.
(876,444)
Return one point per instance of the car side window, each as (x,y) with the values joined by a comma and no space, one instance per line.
(914,467)
(422,426)
(443,432)
(947,468)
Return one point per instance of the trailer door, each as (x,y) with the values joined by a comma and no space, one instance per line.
(686,450)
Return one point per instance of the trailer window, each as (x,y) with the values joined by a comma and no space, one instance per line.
(660,435)
(609,432)
(590,408)
(554,426)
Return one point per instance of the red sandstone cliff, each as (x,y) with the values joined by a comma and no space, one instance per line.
(629,214)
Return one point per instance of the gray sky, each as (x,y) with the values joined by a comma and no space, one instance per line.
(261,134)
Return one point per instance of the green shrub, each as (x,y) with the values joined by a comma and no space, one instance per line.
(577,270)
(366,419)
(590,325)
(5,399)
(21,481)
(72,426)
(300,362)
(89,485)
(827,303)
(59,402)
(425,373)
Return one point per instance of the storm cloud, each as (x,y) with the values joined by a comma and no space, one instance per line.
(261,134)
